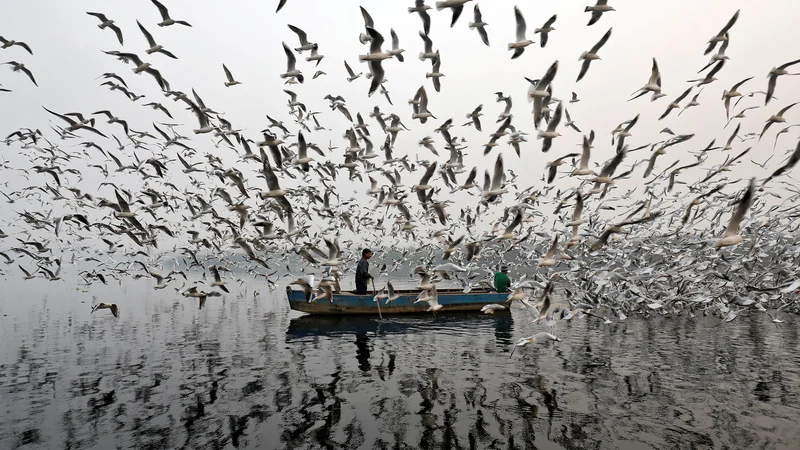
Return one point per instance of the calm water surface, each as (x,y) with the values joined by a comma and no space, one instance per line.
(245,372)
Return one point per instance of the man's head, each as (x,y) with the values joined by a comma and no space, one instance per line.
(366,253)
(504,269)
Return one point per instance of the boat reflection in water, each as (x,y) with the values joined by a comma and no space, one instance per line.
(360,325)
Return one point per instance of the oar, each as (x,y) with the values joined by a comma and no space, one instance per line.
(378,301)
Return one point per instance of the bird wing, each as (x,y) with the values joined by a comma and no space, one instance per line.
(291,60)
(147,35)
(368,22)
(300,33)
(601,42)
(161,9)
(497,180)
(428,174)
(227,73)
(741,209)
(584,69)
(521,26)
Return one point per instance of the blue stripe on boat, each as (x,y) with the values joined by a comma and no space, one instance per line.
(349,303)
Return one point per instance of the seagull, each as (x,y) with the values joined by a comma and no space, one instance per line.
(73,124)
(422,9)
(548,259)
(653,84)
(142,66)
(304,44)
(496,188)
(17,67)
(773,78)
(479,24)
(722,36)
(6,43)
(113,119)
(522,41)
(553,166)
(793,160)
(229,76)
(165,19)
(587,57)
(728,95)
(112,306)
(291,71)
(422,107)
(455,5)
(710,75)
(538,91)
(374,58)
(778,118)
(597,11)
(583,166)
(693,102)
(475,116)
(551,133)
(428,53)
(218,280)
(575,98)
(396,51)
(538,337)
(152,42)
(731,235)
(28,275)
(545,30)
(569,122)
(436,74)
(351,75)
(107,23)
(675,104)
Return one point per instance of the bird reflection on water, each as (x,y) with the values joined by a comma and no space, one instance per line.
(247,373)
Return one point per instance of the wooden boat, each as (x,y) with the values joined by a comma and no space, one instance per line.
(350,303)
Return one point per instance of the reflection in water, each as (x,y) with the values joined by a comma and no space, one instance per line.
(247,373)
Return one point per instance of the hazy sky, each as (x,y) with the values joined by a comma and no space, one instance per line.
(247,35)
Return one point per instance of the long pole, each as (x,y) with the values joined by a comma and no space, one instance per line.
(377,301)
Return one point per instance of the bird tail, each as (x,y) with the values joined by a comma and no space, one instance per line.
(422,56)
(587,9)
(724,94)
(364,38)
(441,5)
(471,25)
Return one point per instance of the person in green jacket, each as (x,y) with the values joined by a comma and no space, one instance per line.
(501,280)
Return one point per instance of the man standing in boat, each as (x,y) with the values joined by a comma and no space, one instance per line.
(362,272)
(501,280)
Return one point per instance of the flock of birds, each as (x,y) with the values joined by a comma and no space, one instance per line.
(720,246)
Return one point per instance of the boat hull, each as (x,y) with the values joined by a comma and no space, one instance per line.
(346,303)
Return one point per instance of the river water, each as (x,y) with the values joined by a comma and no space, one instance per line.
(245,372)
